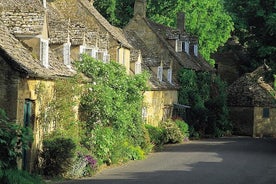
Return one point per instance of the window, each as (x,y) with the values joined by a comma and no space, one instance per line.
(196,50)
(138,67)
(160,73)
(187,46)
(178,46)
(44,52)
(144,113)
(44,3)
(266,113)
(106,57)
(66,54)
(169,75)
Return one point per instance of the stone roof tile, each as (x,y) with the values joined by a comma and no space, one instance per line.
(250,90)
(22,60)
(25,17)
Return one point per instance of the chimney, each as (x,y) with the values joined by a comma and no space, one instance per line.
(140,8)
(91,1)
(181,21)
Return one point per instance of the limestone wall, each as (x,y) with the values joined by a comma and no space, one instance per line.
(157,103)
(264,126)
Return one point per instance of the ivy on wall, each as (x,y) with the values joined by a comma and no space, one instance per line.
(207,96)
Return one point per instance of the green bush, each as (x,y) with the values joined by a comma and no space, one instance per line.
(172,132)
(13,138)
(15,176)
(184,127)
(157,135)
(57,155)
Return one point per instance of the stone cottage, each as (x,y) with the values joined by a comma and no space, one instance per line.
(252,104)
(76,27)
(164,51)
(27,64)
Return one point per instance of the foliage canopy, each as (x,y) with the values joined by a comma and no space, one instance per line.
(206,19)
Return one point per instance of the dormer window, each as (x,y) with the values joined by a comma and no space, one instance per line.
(67,54)
(90,51)
(196,50)
(44,52)
(169,75)
(187,46)
(178,46)
(44,3)
(138,67)
(160,73)
(103,55)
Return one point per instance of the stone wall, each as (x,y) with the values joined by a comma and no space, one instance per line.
(156,103)
(9,81)
(264,126)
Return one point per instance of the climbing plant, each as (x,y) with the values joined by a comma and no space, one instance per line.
(206,94)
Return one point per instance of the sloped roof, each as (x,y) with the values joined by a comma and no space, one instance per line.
(250,90)
(21,59)
(78,30)
(22,16)
(150,59)
(188,61)
(114,31)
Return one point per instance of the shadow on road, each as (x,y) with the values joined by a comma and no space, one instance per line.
(214,161)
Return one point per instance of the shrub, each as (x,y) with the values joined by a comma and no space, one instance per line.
(57,155)
(83,165)
(13,138)
(172,132)
(184,127)
(157,135)
(14,176)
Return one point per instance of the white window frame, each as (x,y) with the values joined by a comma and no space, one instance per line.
(160,73)
(106,57)
(44,4)
(187,46)
(44,52)
(67,54)
(144,113)
(138,67)
(169,75)
(178,45)
(196,50)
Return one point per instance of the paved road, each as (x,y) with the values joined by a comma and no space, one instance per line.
(217,161)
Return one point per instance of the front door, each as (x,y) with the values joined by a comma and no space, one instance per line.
(28,122)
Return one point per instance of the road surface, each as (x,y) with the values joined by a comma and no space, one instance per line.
(238,160)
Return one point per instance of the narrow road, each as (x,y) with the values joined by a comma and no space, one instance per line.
(236,160)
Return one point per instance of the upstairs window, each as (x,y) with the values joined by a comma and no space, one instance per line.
(138,67)
(44,52)
(103,55)
(196,50)
(44,3)
(187,46)
(178,46)
(99,54)
(67,54)
(160,73)
(169,75)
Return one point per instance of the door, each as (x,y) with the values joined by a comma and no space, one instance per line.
(28,122)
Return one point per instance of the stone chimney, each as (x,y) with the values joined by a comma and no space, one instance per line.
(91,1)
(181,21)
(140,8)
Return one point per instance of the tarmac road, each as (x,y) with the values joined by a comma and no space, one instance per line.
(238,160)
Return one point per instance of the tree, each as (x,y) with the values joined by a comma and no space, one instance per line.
(205,19)
(255,27)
